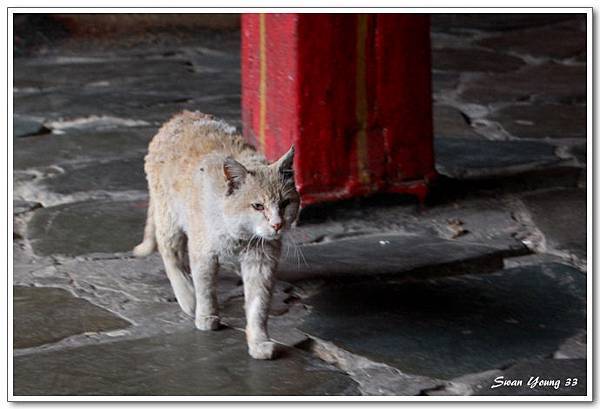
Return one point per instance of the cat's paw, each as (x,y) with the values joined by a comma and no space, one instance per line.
(208,323)
(144,249)
(262,350)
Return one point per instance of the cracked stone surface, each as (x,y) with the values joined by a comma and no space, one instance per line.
(449,122)
(46,315)
(80,145)
(379,296)
(469,158)
(543,121)
(474,60)
(114,176)
(385,254)
(87,227)
(561,216)
(450,327)
(549,82)
(189,363)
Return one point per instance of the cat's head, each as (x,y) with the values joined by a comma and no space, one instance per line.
(262,201)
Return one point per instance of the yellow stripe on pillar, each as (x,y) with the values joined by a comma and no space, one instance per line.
(262,88)
(362,109)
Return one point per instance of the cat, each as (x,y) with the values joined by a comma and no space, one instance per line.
(212,192)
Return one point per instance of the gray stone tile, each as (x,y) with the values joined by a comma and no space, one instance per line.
(466,158)
(23,206)
(87,227)
(46,315)
(117,175)
(384,254)
(444,81)
(78,145)
(23,127)
(548,82)
(561,216)
(543,120)
(42,74)
(580,152)
(494,21)
(546,370)
(473,60)
(450,327)
(190,363)
(534,42)
(449,122)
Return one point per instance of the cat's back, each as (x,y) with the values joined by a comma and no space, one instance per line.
(189,136)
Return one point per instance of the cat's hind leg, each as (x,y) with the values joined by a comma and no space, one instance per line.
(148,244)
(169,243)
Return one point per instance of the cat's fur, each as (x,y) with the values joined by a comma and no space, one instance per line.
(213,191)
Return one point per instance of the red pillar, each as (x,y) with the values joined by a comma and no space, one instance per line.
(351,92)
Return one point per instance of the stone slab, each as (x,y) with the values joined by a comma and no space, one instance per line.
(561,215)
(543,120)
(571,372)
(24,127)
(47,315)
(376,255)
(566,42)
(192,363)
(113,176)
(449,122)
(473,60)
(80,145)
(548,82)
(580,152)
(451,327)
(466,158)
(494,21)
(87,227)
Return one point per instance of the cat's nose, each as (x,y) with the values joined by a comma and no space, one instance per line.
(276,226)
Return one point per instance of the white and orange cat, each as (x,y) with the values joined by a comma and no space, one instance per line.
(211,191)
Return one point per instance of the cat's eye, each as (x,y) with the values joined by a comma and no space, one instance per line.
(258,206)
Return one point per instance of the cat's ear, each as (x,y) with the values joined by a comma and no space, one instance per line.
(235,174)
(285,164)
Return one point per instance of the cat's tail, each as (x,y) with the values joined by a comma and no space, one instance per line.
(148,245)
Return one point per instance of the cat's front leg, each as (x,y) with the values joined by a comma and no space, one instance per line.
(205,266)
(258,276)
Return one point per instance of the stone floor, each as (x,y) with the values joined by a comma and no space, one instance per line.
(377,297)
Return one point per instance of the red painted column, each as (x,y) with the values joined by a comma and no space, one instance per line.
(351,92)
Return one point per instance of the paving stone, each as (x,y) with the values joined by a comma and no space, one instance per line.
(548,82)
(580,152)
(494,21)
(46,315)
(23,127)
(444,81)
(450,327)
(560,214)
(87,227)
(449,122)
(78,145)
(384,254)
(192,363)
(566,43)
(475,60)
(466,158)
(98,71)
(543,120)
(546,370)
(117,175)
(23,206)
